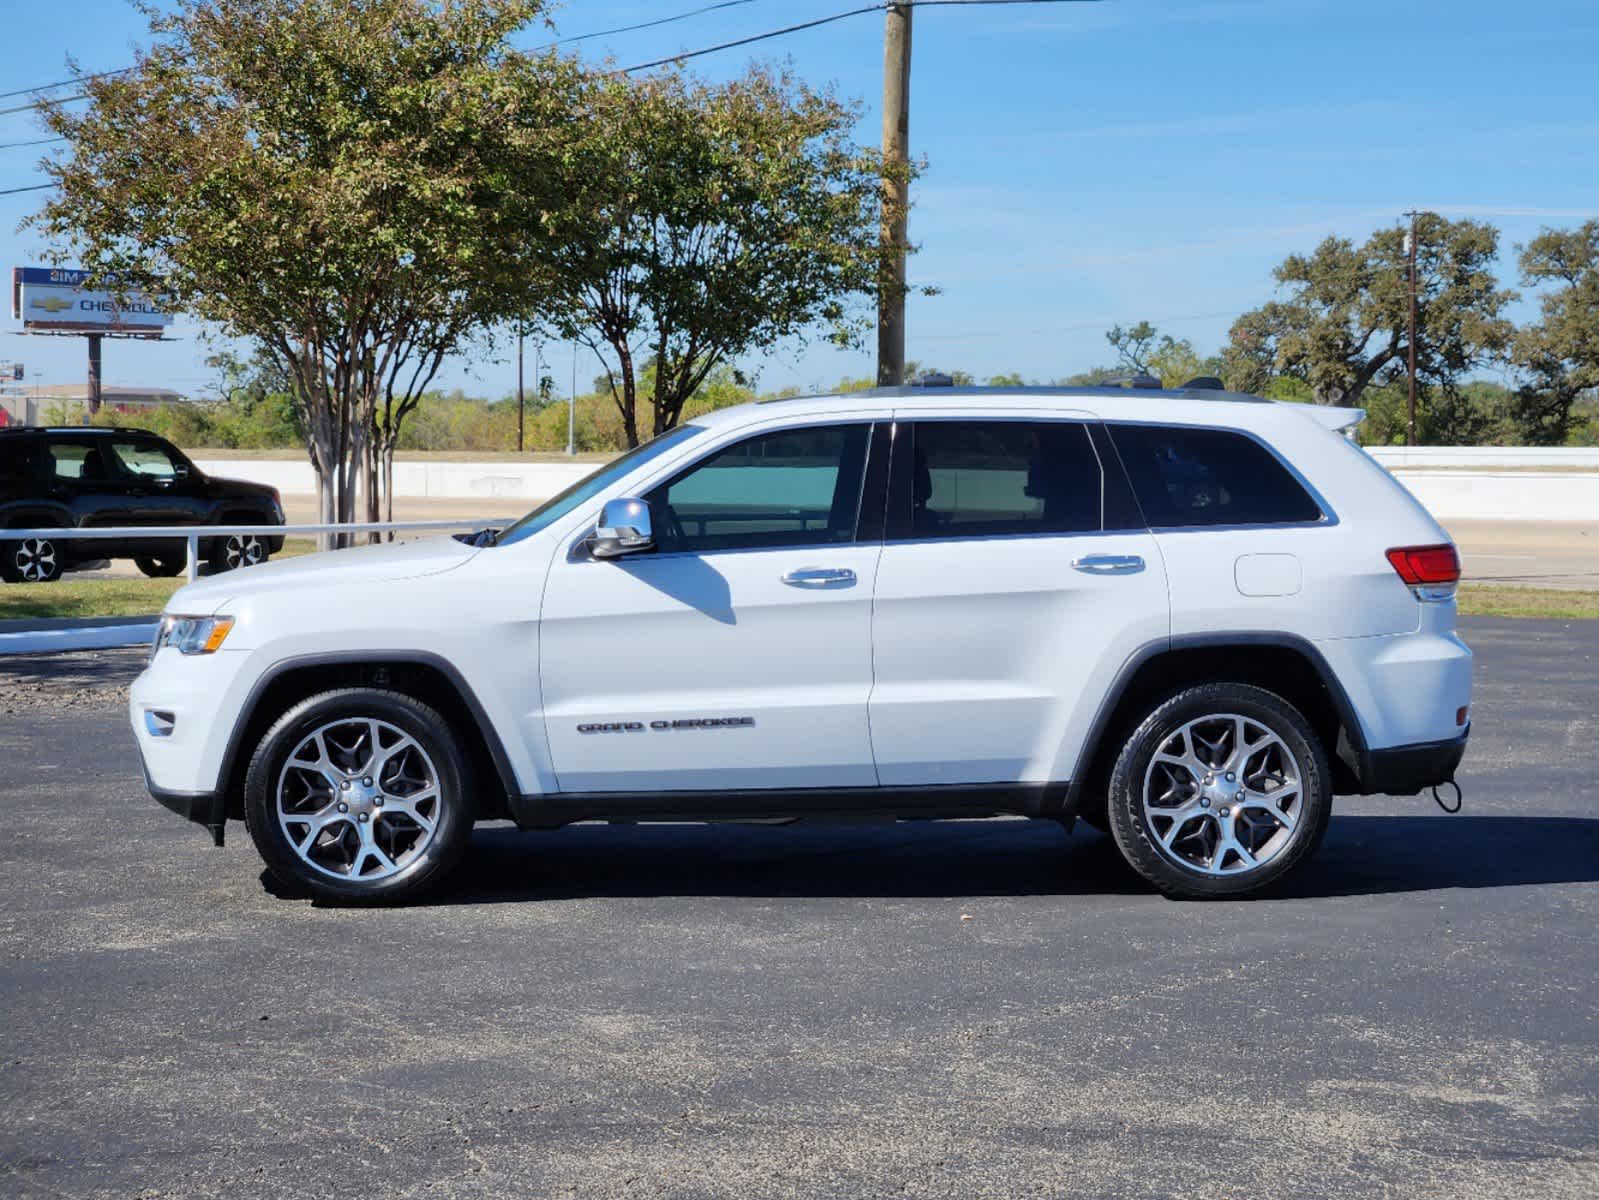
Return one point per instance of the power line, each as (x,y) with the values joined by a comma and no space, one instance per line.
(580,37)
(35,142)
(828,20)
(41,103)
(47,87)
(37,187)
(682,16)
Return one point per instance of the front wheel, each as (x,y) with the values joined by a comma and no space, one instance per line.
(1221,791)
(359,794)
(31,560)
(161,568)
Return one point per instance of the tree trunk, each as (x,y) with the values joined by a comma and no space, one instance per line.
(629,396)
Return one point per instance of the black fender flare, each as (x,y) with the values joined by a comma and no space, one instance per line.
(375,659)
(1355,755)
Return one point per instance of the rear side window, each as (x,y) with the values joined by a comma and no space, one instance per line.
(1002,478)
(76,460)
(1186,477)
(797,487)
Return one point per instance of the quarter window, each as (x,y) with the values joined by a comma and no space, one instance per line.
(1195,477)
(997,478)
(796,487)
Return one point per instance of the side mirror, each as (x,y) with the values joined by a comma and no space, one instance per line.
(180,471)
(624,528)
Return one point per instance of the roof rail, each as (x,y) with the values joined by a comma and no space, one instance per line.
(1138,379)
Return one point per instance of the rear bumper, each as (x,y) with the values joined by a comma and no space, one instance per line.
(1406,770)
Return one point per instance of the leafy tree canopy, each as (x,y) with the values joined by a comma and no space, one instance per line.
(704,221)
(1559,354)
(1344,324)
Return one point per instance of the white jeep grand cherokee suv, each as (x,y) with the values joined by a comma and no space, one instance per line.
(1188,617)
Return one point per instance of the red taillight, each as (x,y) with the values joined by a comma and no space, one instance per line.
(1426,566)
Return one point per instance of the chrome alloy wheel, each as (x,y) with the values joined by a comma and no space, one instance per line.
(358,800)
(35,560)
(243,551)
(1223,795)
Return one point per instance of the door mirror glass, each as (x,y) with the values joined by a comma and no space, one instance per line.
(625,528)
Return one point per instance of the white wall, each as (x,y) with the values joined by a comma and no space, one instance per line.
(451,480)
(1575,457)
(1506,495)
(1476,494)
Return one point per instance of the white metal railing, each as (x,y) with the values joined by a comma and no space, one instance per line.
(192,535)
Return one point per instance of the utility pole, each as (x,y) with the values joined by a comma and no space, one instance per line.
(1410,270)
(896,164)
(520,401)
(94,396)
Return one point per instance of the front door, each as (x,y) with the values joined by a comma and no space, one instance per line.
(1016,579)
(735,655)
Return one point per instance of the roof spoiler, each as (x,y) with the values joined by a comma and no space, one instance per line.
(1339,420)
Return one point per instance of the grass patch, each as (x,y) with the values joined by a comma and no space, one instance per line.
(115,597)
(1490,600)
(104,595)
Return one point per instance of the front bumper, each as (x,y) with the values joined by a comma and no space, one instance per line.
(203,808)
(1406,770)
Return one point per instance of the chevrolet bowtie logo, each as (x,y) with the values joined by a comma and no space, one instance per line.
(53,304)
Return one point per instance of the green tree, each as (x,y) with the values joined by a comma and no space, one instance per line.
(1142,349)
(323,178)
(701,222)
(1343,326)
(1559,355)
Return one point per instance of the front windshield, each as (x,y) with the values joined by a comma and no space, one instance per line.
(556,507)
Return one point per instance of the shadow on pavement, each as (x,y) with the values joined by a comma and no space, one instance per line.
(1362,855)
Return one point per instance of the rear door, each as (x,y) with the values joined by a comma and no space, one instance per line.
(1016,579)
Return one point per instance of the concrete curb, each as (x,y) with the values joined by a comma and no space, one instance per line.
(59,634)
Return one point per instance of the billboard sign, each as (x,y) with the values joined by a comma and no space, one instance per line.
(54,300)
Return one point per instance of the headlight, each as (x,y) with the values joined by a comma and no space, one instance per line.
(192,635)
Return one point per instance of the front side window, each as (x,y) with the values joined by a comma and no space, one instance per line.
(1186,477)
(145,460)
(795,487)
(1003,478)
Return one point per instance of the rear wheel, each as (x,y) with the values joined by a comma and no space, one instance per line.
(238,550)
(31,560)
(1221,791)
(359,795)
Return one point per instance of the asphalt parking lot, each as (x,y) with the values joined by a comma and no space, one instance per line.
(960,1010)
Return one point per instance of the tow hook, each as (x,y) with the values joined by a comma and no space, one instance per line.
(1439,800)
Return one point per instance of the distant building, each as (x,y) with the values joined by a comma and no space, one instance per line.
(68,404)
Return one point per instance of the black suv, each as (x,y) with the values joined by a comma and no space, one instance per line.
(80,478)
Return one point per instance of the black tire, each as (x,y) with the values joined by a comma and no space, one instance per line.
(430,863)
(161,568)
(32,560)
(1184,872)
(239,550)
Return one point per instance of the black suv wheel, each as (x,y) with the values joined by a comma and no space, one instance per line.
(1221,791)
(31,560)
(359,794)
(238,550)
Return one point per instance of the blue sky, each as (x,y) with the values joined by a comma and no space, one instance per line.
(1088,164)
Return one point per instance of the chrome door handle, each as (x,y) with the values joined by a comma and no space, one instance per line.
(820,577)
(1109,564)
